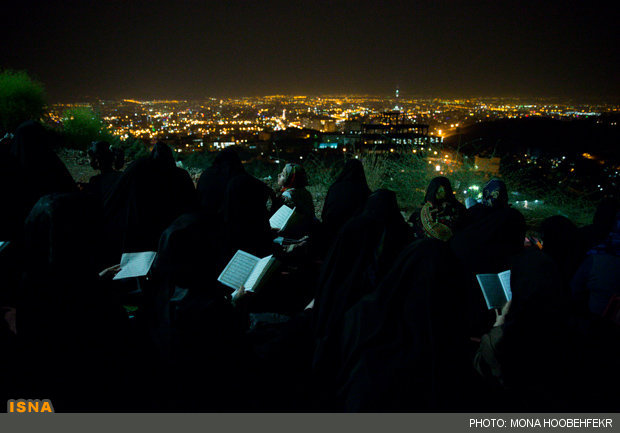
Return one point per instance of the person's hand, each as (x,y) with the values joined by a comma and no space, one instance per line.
(240,297)
(296,246)
(501,317)
(109,273)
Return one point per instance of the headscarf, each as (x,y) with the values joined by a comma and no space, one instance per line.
(162,155)
(353,171)
(214,180)
(495,194)
(439,190)
(294,194)
(441,214)
(295,177)
(403,346)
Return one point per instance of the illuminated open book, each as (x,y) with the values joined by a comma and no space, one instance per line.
(282,218)
(495,288)
(246,270)
(135,264)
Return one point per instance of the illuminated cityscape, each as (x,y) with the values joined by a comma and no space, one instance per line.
(561,142)
(215,123)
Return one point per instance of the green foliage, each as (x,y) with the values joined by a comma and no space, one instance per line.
(198,160)
(408,174)
(547,198)
(21,98)
(81,126)
(264,170)
(134,148)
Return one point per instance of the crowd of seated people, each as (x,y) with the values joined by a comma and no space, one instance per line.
(366,312)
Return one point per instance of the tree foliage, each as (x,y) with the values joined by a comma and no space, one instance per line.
(81,126)
(22,98)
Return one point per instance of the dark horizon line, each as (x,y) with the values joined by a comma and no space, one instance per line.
(580,99)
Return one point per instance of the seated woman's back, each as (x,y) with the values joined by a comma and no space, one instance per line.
(364,250)
(149,196)
(403,346)
(345,199)
(214,180)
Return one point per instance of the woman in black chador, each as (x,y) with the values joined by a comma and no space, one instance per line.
(43,171)
(246,217)
(441,213)
(345,198)
(149,196)
(485,246)
(561,240)
(214,180)
(362,254)
(206,332)
(541,353)
(403,347)
(494,197)
(67,319)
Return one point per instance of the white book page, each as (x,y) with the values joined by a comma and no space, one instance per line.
(492,290)
(238,270)
(135,264)
(504,278)
(257,273)
(279,219)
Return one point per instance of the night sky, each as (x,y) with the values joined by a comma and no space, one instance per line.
(191,50)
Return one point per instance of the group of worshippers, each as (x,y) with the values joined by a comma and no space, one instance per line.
(366,312)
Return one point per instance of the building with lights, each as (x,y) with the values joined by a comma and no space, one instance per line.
(393,130)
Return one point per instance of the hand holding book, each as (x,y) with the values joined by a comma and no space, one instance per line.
(501,317)
(246,272)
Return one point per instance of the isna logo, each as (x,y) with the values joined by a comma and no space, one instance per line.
(29,406)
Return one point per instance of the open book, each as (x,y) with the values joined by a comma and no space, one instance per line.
(495,288)
(246,270)
(282,218)
(135,264)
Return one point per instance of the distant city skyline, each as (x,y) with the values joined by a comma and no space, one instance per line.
(192,50)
